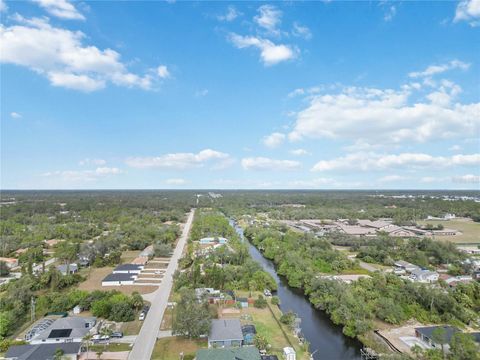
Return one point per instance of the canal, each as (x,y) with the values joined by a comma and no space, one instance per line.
(326,339)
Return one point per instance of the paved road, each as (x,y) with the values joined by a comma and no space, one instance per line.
(47,264)
(143,346)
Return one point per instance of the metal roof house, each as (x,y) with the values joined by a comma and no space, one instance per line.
(128,269)
(424,276)
(70,350)
(225,333)
(72,269)
(119,279)
(67,329)
(405,265)
(243,353)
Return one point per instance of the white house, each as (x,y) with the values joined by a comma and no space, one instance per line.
(424,276)
(128,269)
(119,279)
(67,329)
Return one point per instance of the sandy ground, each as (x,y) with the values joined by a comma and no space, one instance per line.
(407,332)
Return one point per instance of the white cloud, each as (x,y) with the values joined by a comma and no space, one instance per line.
(60,55)
(81,176)
(455,148)
(263,163)
(390,13)
(466,179)
(440,68)
(3,6)
(270,52)
(88,161)
(468,10)
(15,115)
(375,162)
(269,17)
(182,161)
(201,93)
(231,14)
(176,181)
(301,31)
(391,178)
(386,116)
(274,140)
(162,72)
(300,152)
(61,8)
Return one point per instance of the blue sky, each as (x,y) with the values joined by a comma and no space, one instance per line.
(320,95)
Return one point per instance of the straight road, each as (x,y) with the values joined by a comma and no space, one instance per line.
(145,341)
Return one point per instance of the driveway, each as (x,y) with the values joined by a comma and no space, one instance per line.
(145,342)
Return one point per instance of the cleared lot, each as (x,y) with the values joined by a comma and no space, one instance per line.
(470,230)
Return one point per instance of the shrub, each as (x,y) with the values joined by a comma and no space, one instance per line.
(260,303)
(275,300)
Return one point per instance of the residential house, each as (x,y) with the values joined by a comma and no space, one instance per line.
(68,270)
(119,279)
(128,269)
(424,276)
(426,335)
(241,353)
(71,351)
(408,267)
(11,262)
(225,333)
(67,329)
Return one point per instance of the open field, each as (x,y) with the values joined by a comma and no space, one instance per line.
(170,348)
(132,327)
(470,230)
(129,255)
(96,275)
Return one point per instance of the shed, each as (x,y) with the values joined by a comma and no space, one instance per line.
(243,302)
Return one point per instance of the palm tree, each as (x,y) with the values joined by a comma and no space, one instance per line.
(87,338)
(105,331)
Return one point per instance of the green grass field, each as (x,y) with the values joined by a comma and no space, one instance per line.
(470,230)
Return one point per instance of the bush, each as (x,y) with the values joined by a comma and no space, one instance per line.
(275,300)
(287,318)
(260,303)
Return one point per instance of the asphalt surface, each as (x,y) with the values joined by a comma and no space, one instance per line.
(145,341)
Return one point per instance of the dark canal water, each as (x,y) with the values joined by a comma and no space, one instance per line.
(326,339)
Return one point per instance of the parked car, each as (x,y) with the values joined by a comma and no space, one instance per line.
(267,292)
(141,317)
(117,334)
(100,338)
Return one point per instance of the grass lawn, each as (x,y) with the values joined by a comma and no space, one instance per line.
(110,347)
(170,348)
(470,230)
(132,327)
(94,282)
(167,319)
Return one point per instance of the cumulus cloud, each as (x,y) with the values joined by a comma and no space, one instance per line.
(270,53)
(15,115)
(60,8)
(60,55)
(375,162)
(263,163)
(182,161)
(88,161)
(268,18)
(274,140)
(468,10)
(162,72)
(440,68)
(231,14)
(300,152)
(176,181)
(370,115)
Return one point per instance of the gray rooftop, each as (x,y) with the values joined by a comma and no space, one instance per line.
(428,331)
(124,267)
(118,277)
(41,351)
(63,268)
(79,327)
(226,329)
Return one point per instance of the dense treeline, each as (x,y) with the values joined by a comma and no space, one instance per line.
(227,267)
(384,297)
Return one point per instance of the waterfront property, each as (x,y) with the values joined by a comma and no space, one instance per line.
(243,353)
(426,334)
(225,333)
